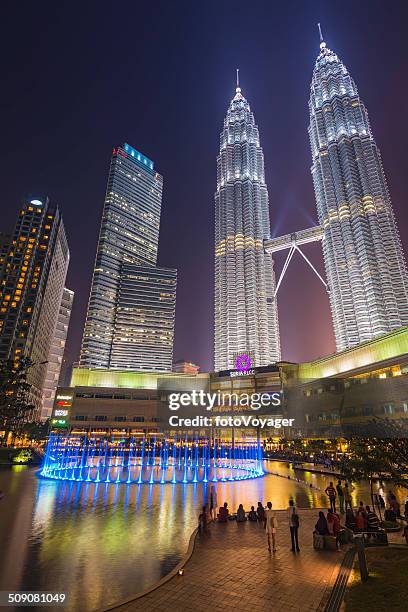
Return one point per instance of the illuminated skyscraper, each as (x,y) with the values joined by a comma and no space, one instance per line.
(144,321)
(246,318)
(56,354)
(115,335)
(365,266)
(33,276)
(129,233)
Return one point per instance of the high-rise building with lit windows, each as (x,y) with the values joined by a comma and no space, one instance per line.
(56,353)
(246,318)
(123,317)
(144,320)
(32,283)
(365,266)
(129,233)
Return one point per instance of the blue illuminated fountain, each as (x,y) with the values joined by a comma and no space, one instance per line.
(150,460)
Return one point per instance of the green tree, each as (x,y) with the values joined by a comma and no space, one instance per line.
(15,408)
(372,458)
(37,430)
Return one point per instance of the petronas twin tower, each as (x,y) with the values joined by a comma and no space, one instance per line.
(366,272)
(246,319)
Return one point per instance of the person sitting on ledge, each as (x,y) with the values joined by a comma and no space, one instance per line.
(373,523)
(333,523)
(260,511)
(241,514)
(321,526)
(361,518)
(223,513)
(350,519)
(252,516)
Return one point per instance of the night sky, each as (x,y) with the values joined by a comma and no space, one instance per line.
(80,78)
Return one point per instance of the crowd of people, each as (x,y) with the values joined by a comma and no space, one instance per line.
(264,516)
(362,519)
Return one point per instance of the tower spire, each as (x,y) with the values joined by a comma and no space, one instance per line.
(238,80)
(322,43)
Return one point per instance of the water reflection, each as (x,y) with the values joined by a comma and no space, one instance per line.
(74,537)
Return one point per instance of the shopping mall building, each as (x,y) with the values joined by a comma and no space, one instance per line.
(363,390)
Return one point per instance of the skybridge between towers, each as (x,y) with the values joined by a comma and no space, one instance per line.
(292,242)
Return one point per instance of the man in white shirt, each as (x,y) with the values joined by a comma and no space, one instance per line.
(270,526)
(293,519)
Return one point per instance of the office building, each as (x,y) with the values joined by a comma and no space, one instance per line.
(130,318)
(185,367)
(33,281)
(56,354)
(144,319)
(129,233)
(365,266)
(246,318)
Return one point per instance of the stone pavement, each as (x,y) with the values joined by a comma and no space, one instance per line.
(231,569)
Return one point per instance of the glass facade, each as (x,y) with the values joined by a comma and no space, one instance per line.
(246,318)
(129,234)
(144,319)
(33,278)
(56,353)
(365,266)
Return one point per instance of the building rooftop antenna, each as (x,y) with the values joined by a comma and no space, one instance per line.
(322,43)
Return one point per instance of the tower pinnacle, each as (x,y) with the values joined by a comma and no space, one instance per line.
(238,89)
(322,43)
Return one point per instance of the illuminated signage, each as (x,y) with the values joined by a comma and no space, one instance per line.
(64,397)
(139,156)
(249,372)
(60,413)
(59,423)
(234,373)
(243,363)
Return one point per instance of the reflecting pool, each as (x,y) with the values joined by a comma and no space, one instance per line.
(101,543)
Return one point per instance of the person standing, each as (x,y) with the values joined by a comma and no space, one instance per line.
(347,495)
(340,495)
(293,519)
(331,493)
(203,521)
(213,503)
(270,526)
(381,500)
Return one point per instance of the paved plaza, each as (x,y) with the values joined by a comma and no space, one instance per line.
(231,569)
